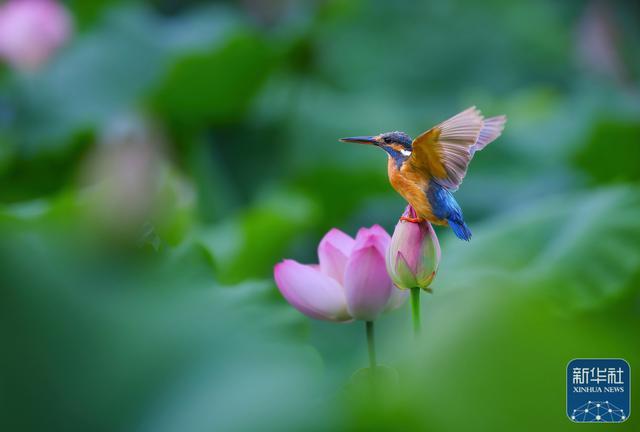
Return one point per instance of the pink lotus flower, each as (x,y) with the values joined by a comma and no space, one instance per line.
(351,281)
(31,31)
(414,254)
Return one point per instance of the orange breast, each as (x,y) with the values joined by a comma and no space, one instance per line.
(412,186)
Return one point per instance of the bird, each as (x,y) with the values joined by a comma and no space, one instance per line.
(427,170)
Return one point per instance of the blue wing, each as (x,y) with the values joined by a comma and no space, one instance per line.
(445,206)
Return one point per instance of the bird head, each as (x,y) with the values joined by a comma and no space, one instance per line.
(397,144)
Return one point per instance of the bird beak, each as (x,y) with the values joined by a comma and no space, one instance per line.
(360,140)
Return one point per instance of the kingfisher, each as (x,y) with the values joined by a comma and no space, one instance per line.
(427,171)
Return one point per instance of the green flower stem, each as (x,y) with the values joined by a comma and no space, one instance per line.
(415,310)
(372,345)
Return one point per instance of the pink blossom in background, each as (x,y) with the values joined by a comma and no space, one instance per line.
(351,281)
(31,31)
(598,41)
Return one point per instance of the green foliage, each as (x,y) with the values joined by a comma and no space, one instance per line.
(156,169)
(244,246)
(612,153)
(214,87)
(582,248)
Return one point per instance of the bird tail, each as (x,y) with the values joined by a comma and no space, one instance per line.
(460,229)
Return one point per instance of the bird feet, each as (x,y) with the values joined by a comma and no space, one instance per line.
(412,220)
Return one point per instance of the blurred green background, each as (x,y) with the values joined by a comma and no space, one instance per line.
(155,169)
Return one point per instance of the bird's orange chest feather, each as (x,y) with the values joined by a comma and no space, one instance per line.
(412,186)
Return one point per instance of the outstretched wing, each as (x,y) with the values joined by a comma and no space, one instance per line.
(491,129)
(444,151)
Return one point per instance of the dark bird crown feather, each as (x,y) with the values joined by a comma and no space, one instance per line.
(398,138)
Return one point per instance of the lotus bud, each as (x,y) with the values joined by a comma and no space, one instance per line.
(414,253)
